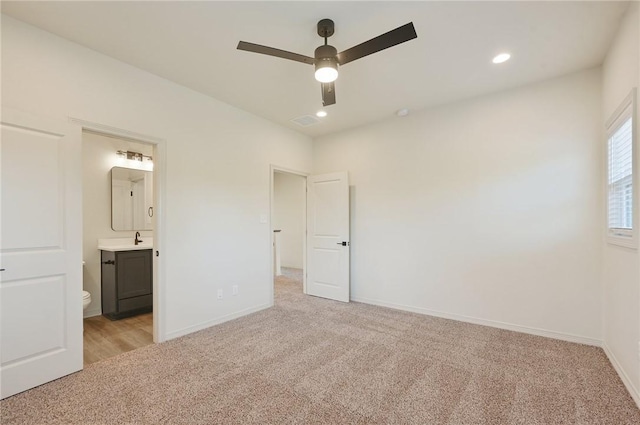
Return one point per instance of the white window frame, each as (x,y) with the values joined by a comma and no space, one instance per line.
(628,108)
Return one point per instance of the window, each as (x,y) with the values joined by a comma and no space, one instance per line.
(620,174)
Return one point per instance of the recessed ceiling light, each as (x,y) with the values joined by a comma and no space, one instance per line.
(502,57)
(321,114)
(402,112)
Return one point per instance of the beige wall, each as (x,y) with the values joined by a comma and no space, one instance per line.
(486,210)
(621,266)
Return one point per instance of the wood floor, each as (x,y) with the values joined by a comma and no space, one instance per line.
(104,338)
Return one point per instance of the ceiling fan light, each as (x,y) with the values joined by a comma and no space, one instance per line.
(326,75)
(326,63)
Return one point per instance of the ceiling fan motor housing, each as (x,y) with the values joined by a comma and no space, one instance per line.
(326,52)
(325,55)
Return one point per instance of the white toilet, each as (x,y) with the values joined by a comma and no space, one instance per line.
(86,300)
(86,296)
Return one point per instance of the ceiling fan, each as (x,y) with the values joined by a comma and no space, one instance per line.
(326,58)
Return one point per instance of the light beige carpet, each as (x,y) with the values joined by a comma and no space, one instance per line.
(314,361)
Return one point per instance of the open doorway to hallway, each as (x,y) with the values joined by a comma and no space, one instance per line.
(288,224)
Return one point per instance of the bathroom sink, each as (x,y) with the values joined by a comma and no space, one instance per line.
(125,244)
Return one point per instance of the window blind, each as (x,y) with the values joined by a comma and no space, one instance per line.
(620,178)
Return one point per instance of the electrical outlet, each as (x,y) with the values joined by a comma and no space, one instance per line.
(234,288)
(219,294)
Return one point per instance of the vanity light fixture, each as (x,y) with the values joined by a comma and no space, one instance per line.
(135,156)
(134,160)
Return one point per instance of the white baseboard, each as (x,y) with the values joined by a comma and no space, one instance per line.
(209,323)
(492,323)
(635,394)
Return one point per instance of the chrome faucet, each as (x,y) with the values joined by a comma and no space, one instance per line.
(137,241)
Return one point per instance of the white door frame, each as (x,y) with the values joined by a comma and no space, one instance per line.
(304,175)
(159,196)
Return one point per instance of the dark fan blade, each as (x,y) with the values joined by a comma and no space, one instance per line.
(256,48)
(399,35)
(328,94)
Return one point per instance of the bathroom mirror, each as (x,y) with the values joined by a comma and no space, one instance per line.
(131,199)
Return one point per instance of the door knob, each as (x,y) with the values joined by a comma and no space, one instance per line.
(343,243)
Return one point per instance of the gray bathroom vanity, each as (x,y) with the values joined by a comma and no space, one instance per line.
(127,281)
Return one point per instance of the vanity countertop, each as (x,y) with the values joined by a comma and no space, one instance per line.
(125,244)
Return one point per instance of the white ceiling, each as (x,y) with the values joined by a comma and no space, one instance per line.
(194,44)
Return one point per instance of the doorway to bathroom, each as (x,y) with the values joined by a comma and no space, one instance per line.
(119,232)
(288,223)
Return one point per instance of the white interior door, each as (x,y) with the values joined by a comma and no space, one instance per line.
(40,251)
(328,236)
